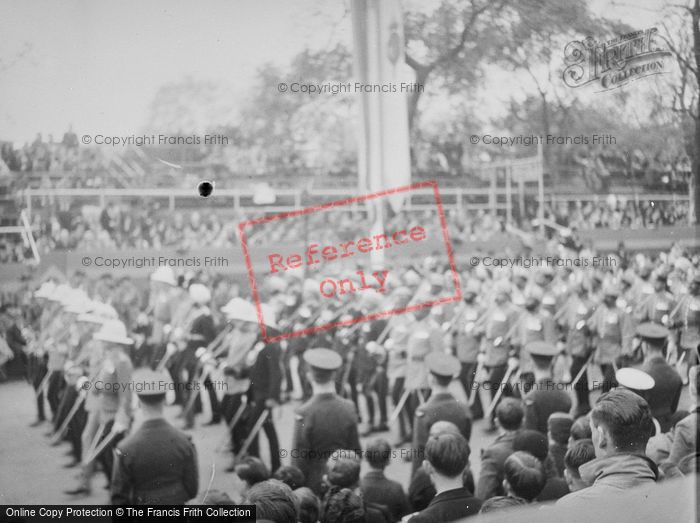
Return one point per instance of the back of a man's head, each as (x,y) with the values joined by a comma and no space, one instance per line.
(343,506)
(252,470)
(273,500)
(290,475)
(378,453)
(308,504)
(525,475)
(448,454)
(344,469)
(580,453)
(581,429)
(621,423)
(510,414)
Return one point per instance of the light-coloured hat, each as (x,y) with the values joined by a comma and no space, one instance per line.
(113,331)
(45,290)
(240,309)
(634,379)
(100,313)
(59,292)
(200,293)
(164,274)
(76,301)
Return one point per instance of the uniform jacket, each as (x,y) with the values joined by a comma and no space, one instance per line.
(466,339)
(499,321)
(663,398)
(687,316)
(439,407)
(655,307)
(492,460)
(575,311)
(613,330)
(115,395)
(450,505)
(544,399)
(533,326)
(380,490)
(156,465)
(265,373)
(425,336)
(611,476)
(323,424)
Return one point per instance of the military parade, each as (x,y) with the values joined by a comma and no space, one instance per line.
(394,379)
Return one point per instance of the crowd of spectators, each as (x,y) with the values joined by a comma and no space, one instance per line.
(567,470)
(148,225)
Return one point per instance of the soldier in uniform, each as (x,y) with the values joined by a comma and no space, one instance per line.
(263,368)
(573,317)
(466,342)
(157,464)
(240,340)
(441,406)
(201,334)
(325,423)
(112,415)
(426,336)
(686,316)
(396,346)
(546,397)
(657,306)
(610,324)
(663,397)
(500,318)
(534,324)
(161,303)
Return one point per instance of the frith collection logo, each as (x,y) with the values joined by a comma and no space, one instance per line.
(616,62)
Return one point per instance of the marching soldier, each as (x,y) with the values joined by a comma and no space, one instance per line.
(546,397)
(426,336)
(112,415)
(686,316)
(534,324)
(325,423)
(664,396)
(610,324)
(657,306)
(160,306)
(157,464)
(396,346)
(201,333)
(239,341)
(573,319)
(495,348)
(263,368)
(466,342)
(441,406)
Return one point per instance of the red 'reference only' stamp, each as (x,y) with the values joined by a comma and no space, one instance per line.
(342,268)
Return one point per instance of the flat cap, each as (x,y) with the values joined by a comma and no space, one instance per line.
(323,359)
(542,348)
(442,364)
(149,383)
(634,379)
(652,331)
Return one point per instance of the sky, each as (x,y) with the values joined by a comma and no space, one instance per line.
(97,65)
